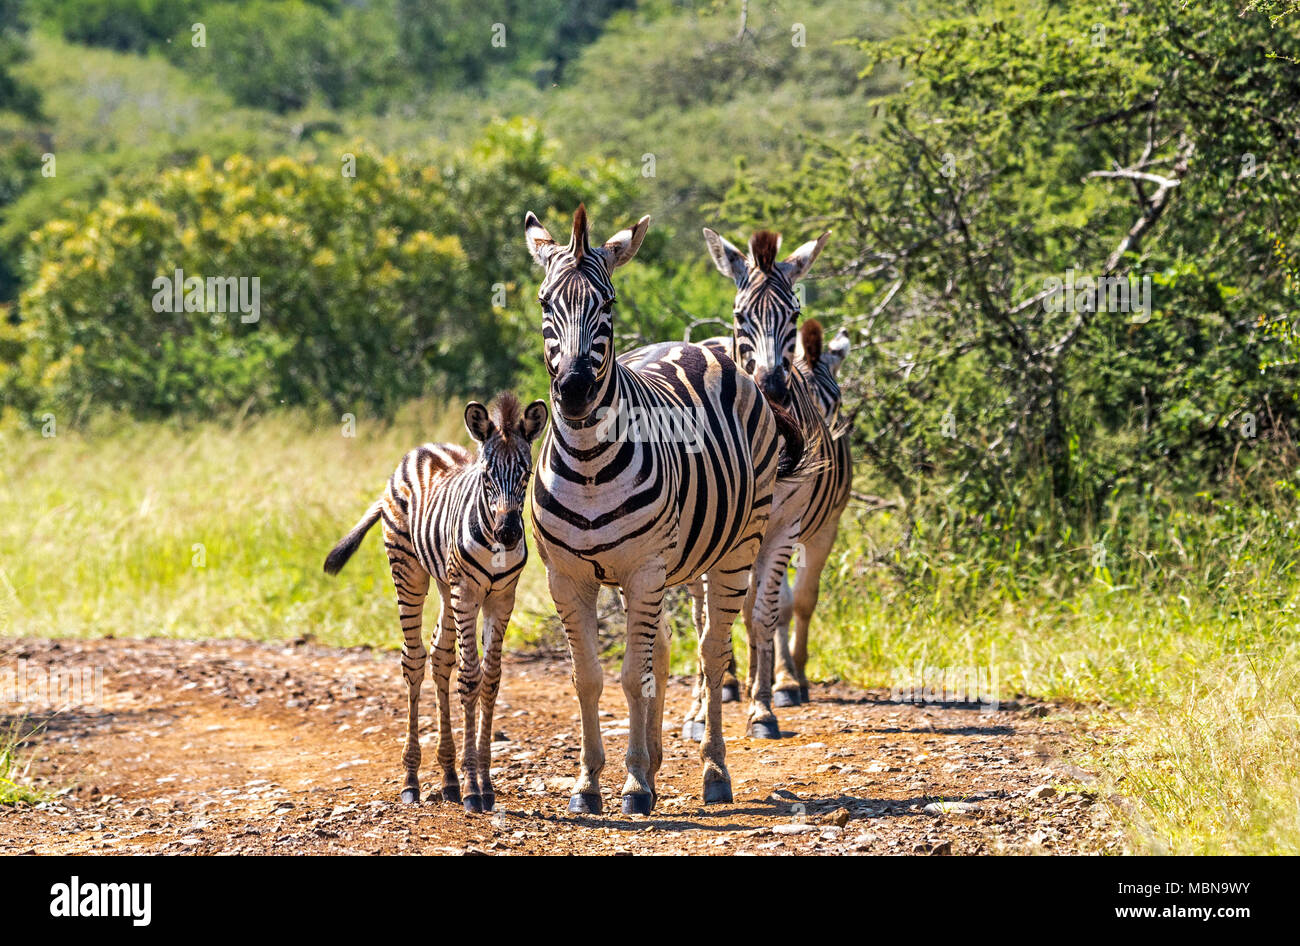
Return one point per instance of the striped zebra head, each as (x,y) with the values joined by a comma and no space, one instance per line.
(577,301)
(766,310)
(505,458)
(821,364)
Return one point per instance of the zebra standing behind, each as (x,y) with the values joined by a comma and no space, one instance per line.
(766,342)
(818,365)
(457,518)
(643,513)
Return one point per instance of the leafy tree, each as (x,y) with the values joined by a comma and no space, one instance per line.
(1035,141)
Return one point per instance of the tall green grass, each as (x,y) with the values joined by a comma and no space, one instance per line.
(215,530)
(14,787)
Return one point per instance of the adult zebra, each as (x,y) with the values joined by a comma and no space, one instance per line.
(806,510)
(658,468)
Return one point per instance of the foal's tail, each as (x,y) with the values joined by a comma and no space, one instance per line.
(339,555)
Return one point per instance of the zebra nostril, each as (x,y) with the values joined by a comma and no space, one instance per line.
(575,387)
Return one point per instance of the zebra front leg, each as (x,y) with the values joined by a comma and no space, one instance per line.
(728,586)
(496,618)
(785,686)
(469,678)
(444,657)
(412,584)
(575,602)
(644,679)
(730,684)
(762,608)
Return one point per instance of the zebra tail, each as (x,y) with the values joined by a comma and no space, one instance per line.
(339,555)
(792,442)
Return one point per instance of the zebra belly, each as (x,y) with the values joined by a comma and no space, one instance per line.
(686,501)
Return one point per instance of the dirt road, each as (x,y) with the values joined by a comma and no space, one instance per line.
(229,747)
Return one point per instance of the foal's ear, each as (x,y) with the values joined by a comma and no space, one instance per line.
(534,421)
(837,351)
(796,265)
(729,260)
(540,242)
(478,423)
(622,246)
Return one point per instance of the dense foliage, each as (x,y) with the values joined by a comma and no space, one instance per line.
(379,279)
(1042,143)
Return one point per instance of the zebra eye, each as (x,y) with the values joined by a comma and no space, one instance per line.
(607,308)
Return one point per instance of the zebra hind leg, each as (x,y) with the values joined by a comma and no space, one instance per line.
(412,588)
(693,726)
(807,587)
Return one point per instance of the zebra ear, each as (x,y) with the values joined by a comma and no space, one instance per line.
(837,351)
(478,423)
(796,265)
(534,422)
(729,260)
(622,246)
(540,242)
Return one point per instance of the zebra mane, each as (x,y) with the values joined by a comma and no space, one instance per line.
(810,334)
(762,249)
(578,244)
(506,413)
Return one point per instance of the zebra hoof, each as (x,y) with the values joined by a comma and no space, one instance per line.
(730,693)
(451,794)
(474,804)
(764,729)
(489,801)
(410,796)
(638,803)
(803,694)
(717,793)
(585,803)
(785,698)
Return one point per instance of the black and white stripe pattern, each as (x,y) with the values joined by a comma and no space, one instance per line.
(816,365)
(805,509)
(456,518)
(642,513)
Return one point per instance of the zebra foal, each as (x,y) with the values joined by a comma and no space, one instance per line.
(456,518)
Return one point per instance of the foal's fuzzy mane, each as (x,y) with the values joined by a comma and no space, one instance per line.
(810,333)
(506,413)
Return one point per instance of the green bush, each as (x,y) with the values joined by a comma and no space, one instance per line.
(403,280)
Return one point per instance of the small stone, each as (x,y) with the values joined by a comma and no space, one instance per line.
(1042,791)
(953,809)
(839,817)
(795,827)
